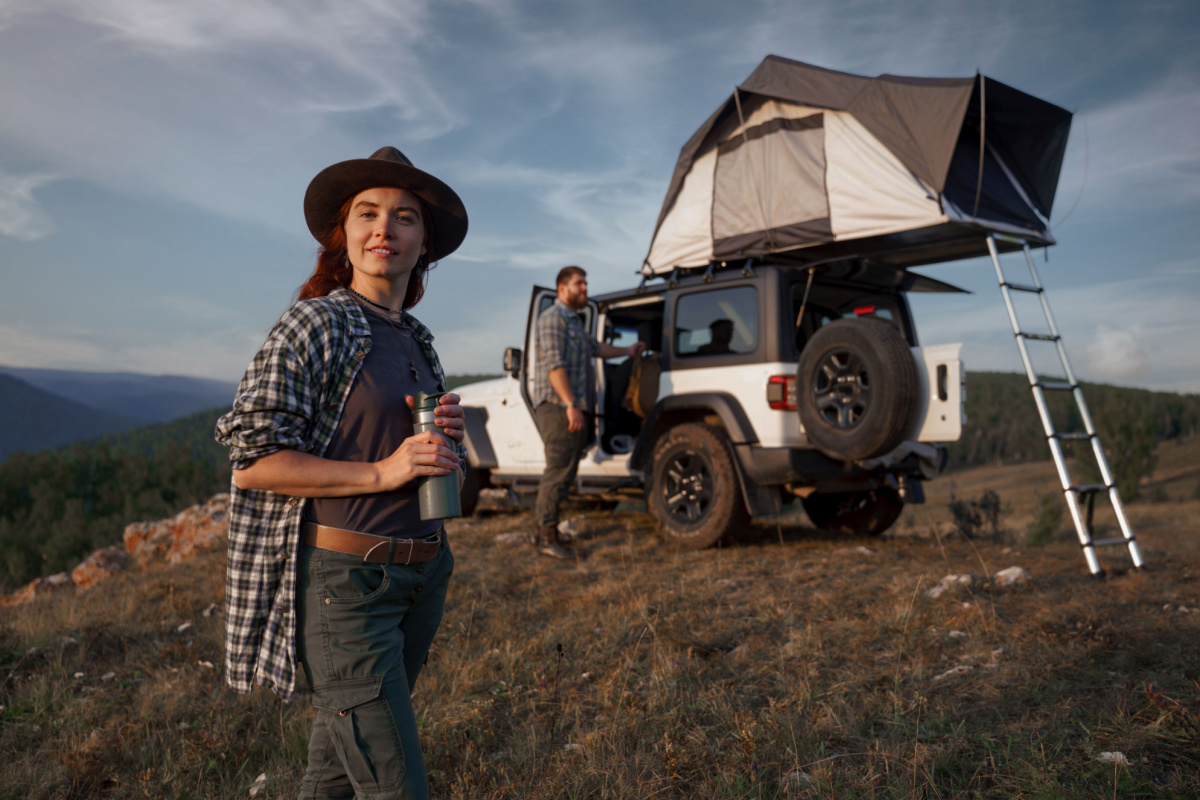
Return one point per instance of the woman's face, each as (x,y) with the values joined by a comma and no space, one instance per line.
(385,234)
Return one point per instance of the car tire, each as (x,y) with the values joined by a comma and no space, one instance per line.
(857,389)
(866,513)
(469,493)
(694,493)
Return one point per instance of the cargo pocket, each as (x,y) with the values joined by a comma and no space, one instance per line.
(364,732)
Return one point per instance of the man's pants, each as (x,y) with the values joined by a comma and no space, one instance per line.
(363,632)
(563,450)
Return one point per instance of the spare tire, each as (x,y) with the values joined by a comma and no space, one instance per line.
(857,389)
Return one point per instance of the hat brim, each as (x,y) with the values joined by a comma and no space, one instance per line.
(334,185)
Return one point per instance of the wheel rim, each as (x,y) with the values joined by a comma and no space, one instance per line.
(842,389)
(687,490)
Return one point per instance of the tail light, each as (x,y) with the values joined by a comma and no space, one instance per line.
(781,392)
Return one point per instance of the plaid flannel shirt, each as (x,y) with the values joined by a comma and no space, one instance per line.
(562,342)
(292,396)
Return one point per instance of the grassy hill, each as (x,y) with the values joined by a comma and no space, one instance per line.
(55,507)
(794,665)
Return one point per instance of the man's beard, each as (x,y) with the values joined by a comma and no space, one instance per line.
(577,301)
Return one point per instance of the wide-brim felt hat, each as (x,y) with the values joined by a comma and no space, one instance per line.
(387,166)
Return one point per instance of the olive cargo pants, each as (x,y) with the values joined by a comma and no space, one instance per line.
(363,632)
(563,451)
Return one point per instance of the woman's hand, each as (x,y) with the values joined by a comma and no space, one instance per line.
(448,416)
(426,453)
(421,454)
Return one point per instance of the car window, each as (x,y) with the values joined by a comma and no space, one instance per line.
(718,322)
(827,303)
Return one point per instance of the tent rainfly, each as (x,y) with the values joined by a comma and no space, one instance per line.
(805,164)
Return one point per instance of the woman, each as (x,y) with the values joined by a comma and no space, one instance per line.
(329,563)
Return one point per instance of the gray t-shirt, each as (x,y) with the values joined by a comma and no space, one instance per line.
(376,421)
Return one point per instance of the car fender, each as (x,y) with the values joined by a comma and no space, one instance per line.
(480,454)
(738,430)
(737,425)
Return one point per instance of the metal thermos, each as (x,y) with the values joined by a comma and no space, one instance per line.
(437,494)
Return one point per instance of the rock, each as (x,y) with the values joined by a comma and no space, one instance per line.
(99,566)
(1012,576)
(513,538)
(177,539)
(948,583)
(1114,757)
(569,529)
(259,783)
(953,672)
(39,587)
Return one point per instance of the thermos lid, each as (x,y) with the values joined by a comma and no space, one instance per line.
(424,401)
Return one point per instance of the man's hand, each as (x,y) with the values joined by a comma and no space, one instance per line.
(574,419)
(636,348)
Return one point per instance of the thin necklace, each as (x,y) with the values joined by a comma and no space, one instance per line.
(404,337)
(372,302)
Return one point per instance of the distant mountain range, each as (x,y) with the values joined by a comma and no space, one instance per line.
(43,408)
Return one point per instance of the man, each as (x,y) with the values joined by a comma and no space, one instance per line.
(720,337)
(564,399)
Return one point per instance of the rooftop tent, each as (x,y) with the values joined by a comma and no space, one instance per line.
(806,164)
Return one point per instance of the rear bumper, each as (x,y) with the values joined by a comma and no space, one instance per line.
(779,466)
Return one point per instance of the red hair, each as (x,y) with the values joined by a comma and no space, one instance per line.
(333,268)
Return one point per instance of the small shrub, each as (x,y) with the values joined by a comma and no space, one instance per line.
(971,517)
(1045,527)
(1157,495)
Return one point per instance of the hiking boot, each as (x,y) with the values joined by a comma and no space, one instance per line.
(548,543)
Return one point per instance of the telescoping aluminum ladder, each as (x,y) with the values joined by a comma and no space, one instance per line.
(1073,493)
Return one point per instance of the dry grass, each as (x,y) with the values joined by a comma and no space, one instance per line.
(794,665)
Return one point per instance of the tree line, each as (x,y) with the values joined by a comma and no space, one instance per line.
(57,506)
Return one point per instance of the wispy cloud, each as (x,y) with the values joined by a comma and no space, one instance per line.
(222,353)
(1138,332)
(196,101)
(601,218)
(1141,151)
(20,215)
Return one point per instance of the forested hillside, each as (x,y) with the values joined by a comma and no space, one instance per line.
(57,506)
(34,419)
(1003,426)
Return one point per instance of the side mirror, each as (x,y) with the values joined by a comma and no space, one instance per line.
(512,361)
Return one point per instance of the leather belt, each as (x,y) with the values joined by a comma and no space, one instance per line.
(373,549)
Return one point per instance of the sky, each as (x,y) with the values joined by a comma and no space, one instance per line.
(154,157)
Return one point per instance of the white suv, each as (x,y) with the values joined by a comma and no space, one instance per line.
(758,386)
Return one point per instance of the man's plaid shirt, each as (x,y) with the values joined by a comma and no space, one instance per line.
(562,342)
(291,397)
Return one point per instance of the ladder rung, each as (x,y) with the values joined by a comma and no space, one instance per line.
(1071,437)
(1043,337)
(1023,287)
(1109,542)
(1093,488)
(1056,386)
